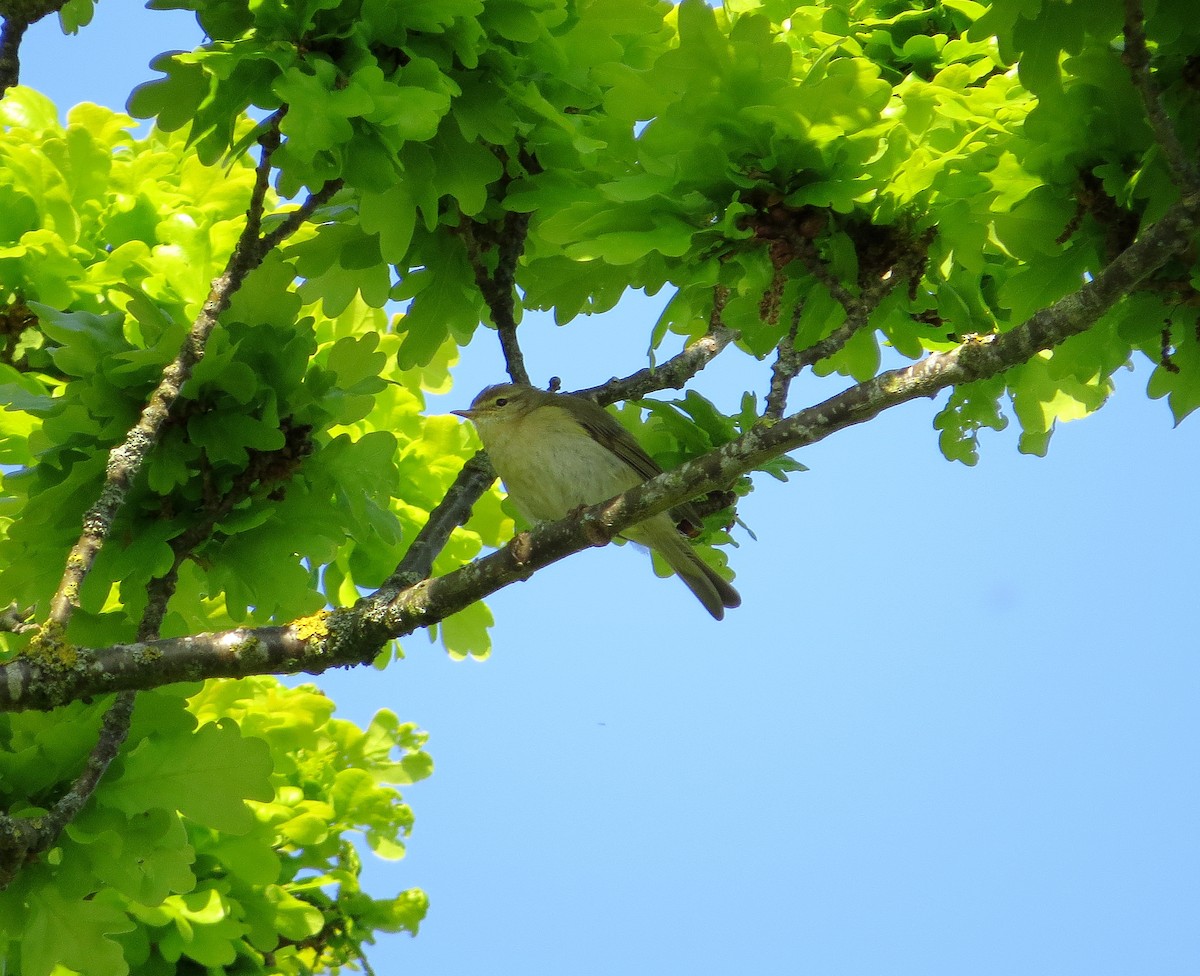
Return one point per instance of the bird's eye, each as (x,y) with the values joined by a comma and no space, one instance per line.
(501,401)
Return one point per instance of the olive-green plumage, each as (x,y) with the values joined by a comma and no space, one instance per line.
(556,453)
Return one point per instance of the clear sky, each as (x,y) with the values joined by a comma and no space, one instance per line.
(953,729)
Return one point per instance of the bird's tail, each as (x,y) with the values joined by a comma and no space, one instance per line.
(710,588)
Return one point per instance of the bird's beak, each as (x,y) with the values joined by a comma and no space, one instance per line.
(469,414)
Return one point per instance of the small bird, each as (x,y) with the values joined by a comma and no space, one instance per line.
(556,453)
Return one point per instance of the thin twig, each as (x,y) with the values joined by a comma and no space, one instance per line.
(265,473)
(498,287)
(671,375)
(1137,59)
(676,371)
(905,268)
(788,364)
(17,620)
(126,459)
(512,246)
(22,838)
(294,218)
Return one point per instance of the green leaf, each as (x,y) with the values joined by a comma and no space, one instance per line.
(24,108)
(412,108)
(1180,385)
(1041,399)
(294,919)
(145,857)
(268,295)
(1040,284)
(446,303)
(228,437)
(464,171)
(206,775)
(72,932)
(513,20)
(204,929)
(969,409)
(1033,227)
(465,634)
(172,101)
(392,214)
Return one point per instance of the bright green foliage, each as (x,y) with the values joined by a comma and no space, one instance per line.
(284,452)
(289,436)
(219,837)
(690,146)
(782,160)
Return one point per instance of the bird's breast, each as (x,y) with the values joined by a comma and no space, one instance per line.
(551,466)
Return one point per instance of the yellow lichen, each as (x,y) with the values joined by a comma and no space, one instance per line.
(312,628)
(50,647)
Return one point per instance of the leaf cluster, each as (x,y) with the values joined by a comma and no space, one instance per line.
(219,840)
(285,448)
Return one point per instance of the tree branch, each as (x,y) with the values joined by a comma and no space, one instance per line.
(354,635)
(498,287)
(788,363)
(11,35)
(875,283)
(16,620)
(22,838)
(18,16)
(475,477)
(126,459)
(294,218)
(676,371)
(907,266)
(1137,59)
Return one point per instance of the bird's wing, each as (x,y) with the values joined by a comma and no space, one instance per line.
(604,428)
(616,438)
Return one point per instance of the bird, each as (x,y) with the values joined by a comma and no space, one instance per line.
(557,453)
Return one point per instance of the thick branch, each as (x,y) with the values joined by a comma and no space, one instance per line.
(354,635)
(10,53)
(18,15)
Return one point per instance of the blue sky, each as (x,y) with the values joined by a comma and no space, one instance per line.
(952,729)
